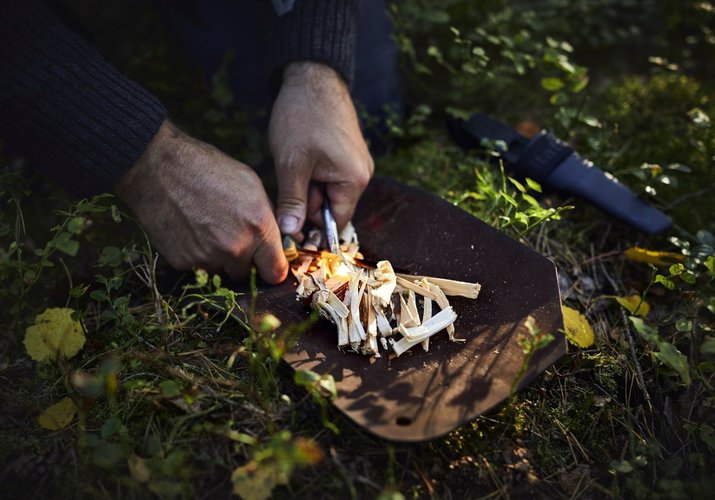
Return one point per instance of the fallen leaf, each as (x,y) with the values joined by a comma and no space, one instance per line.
(638,254)
(253,481)
(138,468)
(58,416)
(54,332)
(577,328)
(634,305)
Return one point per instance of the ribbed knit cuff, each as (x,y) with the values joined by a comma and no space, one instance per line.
(314,30)
(64,107)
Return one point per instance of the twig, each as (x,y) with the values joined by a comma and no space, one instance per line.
(69,278)
(689,196)
(639,371)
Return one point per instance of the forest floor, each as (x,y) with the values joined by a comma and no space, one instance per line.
(171,398)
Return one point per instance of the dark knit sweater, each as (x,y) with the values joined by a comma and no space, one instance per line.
(74,116)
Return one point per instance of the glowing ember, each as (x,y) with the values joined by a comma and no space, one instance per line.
(372,306)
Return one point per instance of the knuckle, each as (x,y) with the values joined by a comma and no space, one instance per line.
(363,177)
(289,201)
(261,223)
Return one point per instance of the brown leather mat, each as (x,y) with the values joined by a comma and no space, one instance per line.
(423,395)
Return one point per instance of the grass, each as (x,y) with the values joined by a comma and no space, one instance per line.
(174,396)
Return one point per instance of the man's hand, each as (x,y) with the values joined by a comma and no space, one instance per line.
(314,135)
(202,208)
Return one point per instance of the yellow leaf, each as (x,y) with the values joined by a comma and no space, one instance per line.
(254,481)
(637,254)
(577,328)
(138,468)
(58,416)
(54,332)
(633,305)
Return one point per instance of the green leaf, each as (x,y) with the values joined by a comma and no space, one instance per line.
(530,200)
(111,256)
(591,121)
(517,184)
(552,84)
(327,383)
(676,269)
(110,427)
(99,295)
(305,377)
(509,198)
(709,303)
(708,346)
(699,118)
(116,214)
(202,278)
(683,325)
(65,244)
(170,389)
(533,185)
(672,357)
(688,277)
(242,438)
(646,331)
(75,225)
(314,382)
(710,264)
(78,291)
(669,284)
(622,466)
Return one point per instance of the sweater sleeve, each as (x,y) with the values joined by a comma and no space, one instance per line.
(313,30)
(64,107)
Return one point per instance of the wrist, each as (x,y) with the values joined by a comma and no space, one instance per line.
(160,147)
(310,73)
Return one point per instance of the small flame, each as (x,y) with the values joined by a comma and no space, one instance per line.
(334,265)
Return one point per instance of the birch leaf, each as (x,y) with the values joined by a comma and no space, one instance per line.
(253,482)
(577,328)
(58,416)
(643,255)
(54,332)
(633,304)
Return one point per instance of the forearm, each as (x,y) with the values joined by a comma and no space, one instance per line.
(64,107)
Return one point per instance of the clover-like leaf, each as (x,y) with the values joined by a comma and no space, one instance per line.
(577,328)
(58,416)
(54,332)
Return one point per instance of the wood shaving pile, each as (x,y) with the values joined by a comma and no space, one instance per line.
(374,307)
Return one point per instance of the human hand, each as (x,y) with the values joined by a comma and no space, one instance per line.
(201,208)
(314,135)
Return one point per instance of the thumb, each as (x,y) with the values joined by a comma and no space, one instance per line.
(293,182)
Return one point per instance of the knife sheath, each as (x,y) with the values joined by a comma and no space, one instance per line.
(557,167)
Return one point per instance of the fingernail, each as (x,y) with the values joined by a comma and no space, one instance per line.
(288,224)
